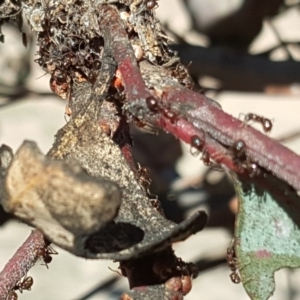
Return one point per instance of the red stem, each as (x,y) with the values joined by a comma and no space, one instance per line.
(20,263)
(197,115)
(116,36)
(226,129)
(184,130)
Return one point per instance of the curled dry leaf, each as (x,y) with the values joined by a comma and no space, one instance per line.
(139,227)
(58,197)
(70,200)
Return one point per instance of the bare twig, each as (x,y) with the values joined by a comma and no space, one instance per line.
(21,262)
(116,35)
(194,114)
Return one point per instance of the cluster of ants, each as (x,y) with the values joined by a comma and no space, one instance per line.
(154,106)
(198,143)
(71,46)
(66,49)
(26,283)
(238,148)
(238,152)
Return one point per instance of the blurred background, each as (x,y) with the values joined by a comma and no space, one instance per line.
(243,54)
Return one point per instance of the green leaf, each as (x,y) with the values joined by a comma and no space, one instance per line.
(267,235)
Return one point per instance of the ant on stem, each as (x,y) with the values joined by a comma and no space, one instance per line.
(45,253)
(232,263)
(266,123)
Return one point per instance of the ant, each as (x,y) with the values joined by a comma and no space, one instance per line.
(25,284)
(46,253)
(156,204)
(144,126)
(145,181)
(232,263)
(266,123)
(206,159)
(144,178)
(252,168)
(182,74)
(172,116)
(59,84)
(152,104)
(196,143)
(238,149)
(151,4)
(12,295)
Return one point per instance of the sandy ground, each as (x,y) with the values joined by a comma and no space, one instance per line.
(68,277)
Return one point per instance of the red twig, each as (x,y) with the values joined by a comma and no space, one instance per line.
(197,115)
(116,35)
(184,130)
(225,129)
(20,263)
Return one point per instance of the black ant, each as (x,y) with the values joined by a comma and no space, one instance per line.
(238,149)
(152,104)
(266,123)
(196,143)
(232,263)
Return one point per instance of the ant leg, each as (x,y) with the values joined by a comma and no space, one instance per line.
(242,117)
